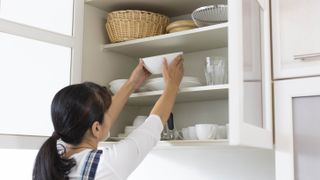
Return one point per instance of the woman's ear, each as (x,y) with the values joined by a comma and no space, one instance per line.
(96,129)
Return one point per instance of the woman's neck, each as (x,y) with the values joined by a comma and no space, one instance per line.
(73,149)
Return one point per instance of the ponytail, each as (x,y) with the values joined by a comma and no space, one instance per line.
(49,164)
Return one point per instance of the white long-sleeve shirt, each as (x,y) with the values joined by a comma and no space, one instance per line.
(120,160)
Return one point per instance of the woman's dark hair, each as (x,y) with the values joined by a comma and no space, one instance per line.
(73,111)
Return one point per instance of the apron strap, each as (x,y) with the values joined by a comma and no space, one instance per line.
(90,168)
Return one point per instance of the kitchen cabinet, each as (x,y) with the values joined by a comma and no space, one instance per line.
(297,145)
(296,38)
(249,74)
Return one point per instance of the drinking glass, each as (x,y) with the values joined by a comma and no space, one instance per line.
(215,70)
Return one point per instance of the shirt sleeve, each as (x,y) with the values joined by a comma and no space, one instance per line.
(125,156)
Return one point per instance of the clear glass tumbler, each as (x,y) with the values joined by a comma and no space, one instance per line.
(215,70)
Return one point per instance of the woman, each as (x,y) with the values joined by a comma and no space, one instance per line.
(82,115)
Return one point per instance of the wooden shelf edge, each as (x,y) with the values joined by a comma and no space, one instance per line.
(217,143)
(166,36)
(184,90)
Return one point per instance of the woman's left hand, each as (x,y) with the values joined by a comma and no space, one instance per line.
(139,75)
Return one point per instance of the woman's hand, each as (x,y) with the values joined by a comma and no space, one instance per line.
(139,75)
(173,73)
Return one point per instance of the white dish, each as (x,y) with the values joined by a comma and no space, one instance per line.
(206,131)
(209,15)
(192,133)
(185,133)
(158,83)
(115,85)
(154,63)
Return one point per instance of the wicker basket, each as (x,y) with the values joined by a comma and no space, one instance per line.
(133,24)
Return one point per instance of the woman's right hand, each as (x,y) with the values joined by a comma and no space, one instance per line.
(173,73)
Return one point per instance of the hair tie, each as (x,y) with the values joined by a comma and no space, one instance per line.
(55,135)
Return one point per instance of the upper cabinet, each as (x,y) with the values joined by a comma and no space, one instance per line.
(296,38)
(243,101)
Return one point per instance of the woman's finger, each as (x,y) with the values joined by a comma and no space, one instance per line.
(165,63)
(177,59)
(165,66)
(141,63)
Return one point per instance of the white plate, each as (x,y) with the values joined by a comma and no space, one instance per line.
(185,78)
(115,85)
(209,15)
(158,83)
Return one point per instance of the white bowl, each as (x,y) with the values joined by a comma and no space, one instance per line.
(185,133)
(139,120)
(192,133)
(115,85)
(206,131)
(158,83)
(154,63)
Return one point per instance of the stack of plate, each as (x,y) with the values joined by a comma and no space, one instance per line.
(209,15)
(115,85)
(181,25)
(158,83)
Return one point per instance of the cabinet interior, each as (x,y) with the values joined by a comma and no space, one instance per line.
(102,66)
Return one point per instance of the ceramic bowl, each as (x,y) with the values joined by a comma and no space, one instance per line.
(192,133)
(185,133)
(206,131)
(115,85)
(154,64)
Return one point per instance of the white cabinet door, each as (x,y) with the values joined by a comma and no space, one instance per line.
(34,65)
(296,38)
(250,114)
(297,123)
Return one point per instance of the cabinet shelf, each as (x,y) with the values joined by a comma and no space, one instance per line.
(201,93)
(187,41)
(167,7)
(218,143)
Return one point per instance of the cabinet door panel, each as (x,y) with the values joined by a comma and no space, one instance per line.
(31,72)
(250,74)
(51,15)
(297,122)
(296,38)
(306,137)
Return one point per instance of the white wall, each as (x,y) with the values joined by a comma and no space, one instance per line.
(207,164)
